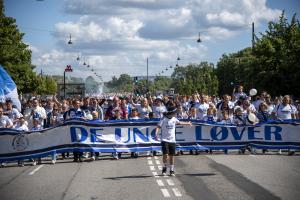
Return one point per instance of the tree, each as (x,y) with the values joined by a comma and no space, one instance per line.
(277,57)
(121,84)
(235,69)
(161,83)
(274,61)
(192,78)
(15,56)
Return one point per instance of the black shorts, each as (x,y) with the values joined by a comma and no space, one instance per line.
(168,148)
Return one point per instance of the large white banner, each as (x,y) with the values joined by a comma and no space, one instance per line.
(138,136)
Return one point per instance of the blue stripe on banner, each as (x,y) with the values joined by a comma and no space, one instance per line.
(136,148)
(141,122)
(109,148)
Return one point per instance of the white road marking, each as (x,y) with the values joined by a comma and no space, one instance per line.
(150,162)
(165,192)
(157,162)
(177,192)
(170,182)
(149,158)
(252,155)
(36,169)
(160,183)
(152,168)
(159,167)
(155,174)
(155,157)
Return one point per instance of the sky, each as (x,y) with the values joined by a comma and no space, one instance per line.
(117,36)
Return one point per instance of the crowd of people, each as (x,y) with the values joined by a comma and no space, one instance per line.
(238,109)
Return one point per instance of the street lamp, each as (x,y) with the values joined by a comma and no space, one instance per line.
(199,39)
(70,41)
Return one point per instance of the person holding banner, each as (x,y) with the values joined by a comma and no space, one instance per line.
(76,113)
(5,122)
(168,140)
(285,111)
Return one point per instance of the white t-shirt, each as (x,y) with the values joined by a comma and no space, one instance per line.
(257,103)
(159,110)
(271,108)
(144,111)
(284,111)
(237,95)
(5,121)
(22,127)
(14,114)
(202,110)
(168,127)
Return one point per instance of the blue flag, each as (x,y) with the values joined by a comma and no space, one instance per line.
(8,89)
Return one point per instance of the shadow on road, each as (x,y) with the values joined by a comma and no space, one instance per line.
(127,177)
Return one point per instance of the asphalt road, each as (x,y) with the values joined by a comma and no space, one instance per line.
(203,176)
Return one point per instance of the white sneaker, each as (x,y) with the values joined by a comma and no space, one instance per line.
(93,158)
(279,152)
(115,156)
(85,155)
(34,163)
(53,161)
(253,150)
(3,164)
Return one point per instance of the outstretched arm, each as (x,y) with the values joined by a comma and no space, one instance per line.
(185,123)
(156,132)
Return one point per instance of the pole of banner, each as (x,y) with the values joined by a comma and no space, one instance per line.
(64,84)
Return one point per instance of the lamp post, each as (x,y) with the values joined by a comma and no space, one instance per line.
(67,69)
(147,73)
(147,78)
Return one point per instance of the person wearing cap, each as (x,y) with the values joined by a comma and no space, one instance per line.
(167,125)
(159,108)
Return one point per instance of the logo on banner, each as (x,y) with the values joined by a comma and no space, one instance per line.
(20,142)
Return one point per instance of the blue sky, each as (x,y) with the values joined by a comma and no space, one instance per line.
(116,37)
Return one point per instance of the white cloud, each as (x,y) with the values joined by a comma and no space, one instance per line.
(120,35)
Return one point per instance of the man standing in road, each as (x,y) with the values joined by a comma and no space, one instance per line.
(168,140)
